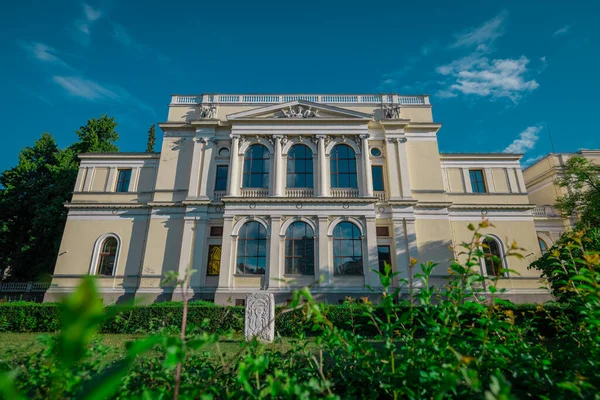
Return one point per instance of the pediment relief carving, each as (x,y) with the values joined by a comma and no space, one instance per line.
(299,110)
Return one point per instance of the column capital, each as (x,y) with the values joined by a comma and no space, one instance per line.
(364,136)
(234,135)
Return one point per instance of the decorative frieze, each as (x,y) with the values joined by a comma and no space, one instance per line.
(207,112)
(391,111)
(298,112)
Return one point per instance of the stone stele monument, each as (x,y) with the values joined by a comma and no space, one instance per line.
(260,317)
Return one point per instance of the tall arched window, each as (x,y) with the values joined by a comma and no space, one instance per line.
(543,245)
(300,167)
(252,249)
(299,249)
(347,249)
(107,256)
(256,167)
(493,258)
(343,167)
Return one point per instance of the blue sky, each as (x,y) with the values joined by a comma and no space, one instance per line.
(499,74)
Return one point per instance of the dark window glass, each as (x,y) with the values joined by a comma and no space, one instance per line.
(385,256)
(221,181)
(216,231)
(108,254)
(343,167)
(256,167)
(377,172)
(492,257)
(347,250)
(543,246)
(382,231)
(299,249)
(300,167)
(477,181)
(252,249)
(123,180)
(213,266)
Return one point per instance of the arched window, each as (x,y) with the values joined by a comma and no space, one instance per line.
(300,167)
(543,245)
(256,167)
(252,249)
(343,167)
(299,249)
(107,256)
(347,249)
(493,258)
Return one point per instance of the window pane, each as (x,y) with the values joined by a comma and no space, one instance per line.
(377,173)
(214,260)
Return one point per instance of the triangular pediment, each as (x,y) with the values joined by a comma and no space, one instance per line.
(299,110)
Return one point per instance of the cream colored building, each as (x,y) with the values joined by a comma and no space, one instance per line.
(540,179)
(272,192)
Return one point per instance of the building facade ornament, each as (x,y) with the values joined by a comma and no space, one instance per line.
(207,112)
(299,112)
(391,111)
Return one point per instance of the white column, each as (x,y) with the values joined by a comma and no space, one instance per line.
(207,160)
(392,169)
(233,182)
(467,180)
(135,178)
(185,255)
(199,250)
(323,187)
(367,173)
(520,180)
(89,177)
(489,179)
(110,181)
(372,259)
(278,187)
(275,267)
(402,257)
(512,180)
(227,253)
(403,164)
(195,171)
(324,270)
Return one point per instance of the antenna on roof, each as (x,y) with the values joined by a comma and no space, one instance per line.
(551,141)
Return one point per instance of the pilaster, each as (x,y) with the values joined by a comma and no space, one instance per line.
(323,170)
(325,269)
(275,269)
(195,171)
(372,259)
(199,251)
(233,182)
(467,180)
(393,169)
(227,253)
(403,164)
(187,240)
(207,161)
(278,186)
(367,174)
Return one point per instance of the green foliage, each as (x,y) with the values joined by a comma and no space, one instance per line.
(582,179)
(32,198)
(151,139)
(460,343)
(557,267)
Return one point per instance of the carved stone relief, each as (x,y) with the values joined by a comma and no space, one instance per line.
(299,112)
(207,112)
(391,111)
(260,317)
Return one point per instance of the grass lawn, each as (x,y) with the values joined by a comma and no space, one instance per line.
(17,345)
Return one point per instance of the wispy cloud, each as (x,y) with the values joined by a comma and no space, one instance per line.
(43,52)
(532,160)
(82,25)
(562,31)
(525,141)
(483,35)
(87,89)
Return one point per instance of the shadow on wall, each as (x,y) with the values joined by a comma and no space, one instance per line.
(174,236)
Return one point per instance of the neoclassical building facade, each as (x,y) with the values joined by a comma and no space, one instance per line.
(273,192)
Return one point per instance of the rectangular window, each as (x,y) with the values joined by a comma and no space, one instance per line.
(385,256)
(477,181)
(213,266)
(216,231)
(221,181)
(382,231)
(377,172)
(123,180)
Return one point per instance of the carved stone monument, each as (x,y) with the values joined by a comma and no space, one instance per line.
(260,317)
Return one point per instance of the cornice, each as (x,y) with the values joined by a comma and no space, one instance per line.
(492,206)
(277,200)
(105,205)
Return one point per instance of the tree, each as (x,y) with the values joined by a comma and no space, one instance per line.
(582,180)
(151,139)
(32,198)
(97,136)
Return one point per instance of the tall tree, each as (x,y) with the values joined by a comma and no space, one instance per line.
(32,197)
(151,139)
(582,179)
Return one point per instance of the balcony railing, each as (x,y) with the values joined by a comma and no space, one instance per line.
(24,287)
(545,211)
(284,98)
(344,193)
(253,192)
(295,192)
(380,195)
(218,194)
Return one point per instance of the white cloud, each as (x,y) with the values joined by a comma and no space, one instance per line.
(42,52)
(78,86)
(121,35)
(483,35)
(83,24)
(478,75)
(562,31)
(532,160)
(526,140)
